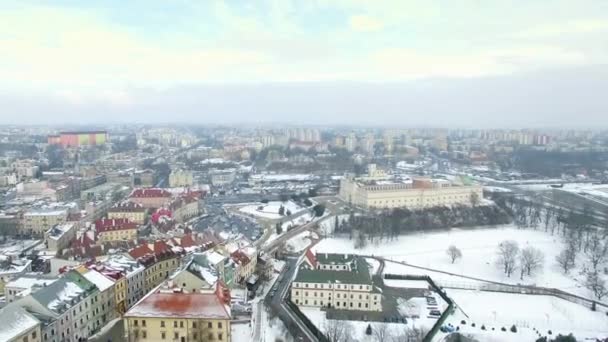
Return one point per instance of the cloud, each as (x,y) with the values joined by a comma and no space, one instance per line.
(581,26)
(365,23)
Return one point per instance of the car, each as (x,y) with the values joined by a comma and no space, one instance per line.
(436,313)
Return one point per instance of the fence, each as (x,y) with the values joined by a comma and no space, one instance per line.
(313,328)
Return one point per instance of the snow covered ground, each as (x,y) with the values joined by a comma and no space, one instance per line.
(408,284)
(241,332)
(298,221)
(356,329)
(270,210)
(478,247)
(301,241)
(597,190)
(544,313)
(327,227)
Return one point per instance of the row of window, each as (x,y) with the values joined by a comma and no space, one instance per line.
(176,323)
(176,336)
(359,305)
(337,295)
(337,286)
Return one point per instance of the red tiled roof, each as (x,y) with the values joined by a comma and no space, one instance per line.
(312,259)
(105,225)
(127,207)
(148,193)
(178,304)
(239,257)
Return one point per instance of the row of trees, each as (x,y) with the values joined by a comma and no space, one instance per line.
(342,331)
(390,223)
(528,260)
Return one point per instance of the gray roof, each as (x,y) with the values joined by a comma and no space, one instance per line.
(358,275)
(334,258)
(60,295)
(14,321)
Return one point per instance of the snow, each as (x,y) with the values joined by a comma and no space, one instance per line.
(544,313)
(241,332)
(71,290)
(270,210)
(327,226)
(102,282)
(408,284)
(298,221)
(357,329)
(478,246)
(14,321)
(301,241)
(374,265)
(496,189)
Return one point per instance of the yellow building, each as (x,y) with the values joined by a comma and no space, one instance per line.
(120,293)
(115,229)
(159,260)
(166,315)
(130,211)
(378,190)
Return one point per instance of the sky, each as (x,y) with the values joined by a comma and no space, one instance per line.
(465,63)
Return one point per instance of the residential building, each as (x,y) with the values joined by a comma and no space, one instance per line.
(105,303)
(37,221)
(159,261)
(245,261)
(378,190)
(24,285)
(128,210)
(151,198)
(197,275)
(60,236)
(185,207)
(77,139)
(180,316)
(12,268)
(134,274)
(18,325)
(181,178)
(115,230)
(338,281)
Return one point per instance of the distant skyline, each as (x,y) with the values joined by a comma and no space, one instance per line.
(409,63)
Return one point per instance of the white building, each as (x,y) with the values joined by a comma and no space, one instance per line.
(134,273)
(60,236)
(24,285)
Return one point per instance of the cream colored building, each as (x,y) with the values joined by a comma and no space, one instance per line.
(116,230)
(338,281)
(181,178)
(39,221)
(128,210)
(182,317)
(378,190)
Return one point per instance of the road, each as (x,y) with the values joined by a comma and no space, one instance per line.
(277,302)
(272,246)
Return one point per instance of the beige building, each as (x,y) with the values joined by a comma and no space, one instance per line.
(338,281)
(378,190)
(181,178)
(115,230)
(128,210)
(169,315)
(39,221)
(60,236)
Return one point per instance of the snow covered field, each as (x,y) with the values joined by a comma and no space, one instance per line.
(478,247)
(270,210)
(544,313)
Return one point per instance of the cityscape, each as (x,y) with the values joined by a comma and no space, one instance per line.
(284,171)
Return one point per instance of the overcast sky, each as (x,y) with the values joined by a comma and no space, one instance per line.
(466,63)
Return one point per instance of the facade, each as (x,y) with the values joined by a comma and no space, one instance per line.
(222,177)
(39,221)
(115,230)
(185,207)
(151,198)
(128,210)
(60,236)
(181,178)
(18,325)
(159,261)
(245,261)
(377,190)
(169,315)
(105,308)
(134,275)
(198,274)
(338,281)
(77,139)
(12,268)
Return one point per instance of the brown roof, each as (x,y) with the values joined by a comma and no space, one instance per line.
(180,305)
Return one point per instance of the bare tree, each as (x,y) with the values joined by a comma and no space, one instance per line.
(507,256)
(381,332)
(597,285)
(530,260)
(597,251)
(565,260)
(474,199)
(337,331)
(454,253)
(409,334)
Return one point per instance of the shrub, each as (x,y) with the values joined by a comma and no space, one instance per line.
(549,332)
(473,325)
(493,329)
(463,322)
(483,327)
(513,328)
(368,330)
(503,329)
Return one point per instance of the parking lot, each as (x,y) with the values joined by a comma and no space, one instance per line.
(220,221)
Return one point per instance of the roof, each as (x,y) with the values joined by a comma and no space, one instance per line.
(147,193)
(105,225)
(101,281)
(59,295)
(30,281)
(14,321)
(180,305)
(333,258)
(359,274)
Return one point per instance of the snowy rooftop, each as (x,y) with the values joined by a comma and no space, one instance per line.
(102,282)
(14,321)
(180,305)
(29,281)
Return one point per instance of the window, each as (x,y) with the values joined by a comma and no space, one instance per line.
(219,325)
(136,333)
(143,334)
(175,324)
(194,324)
(162,335)
(220,336)
(143,322)
(135,323)
(296,293)
(162,324)
(359,304)
(176,335)
(209,325)
(210,336)
(181,324)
